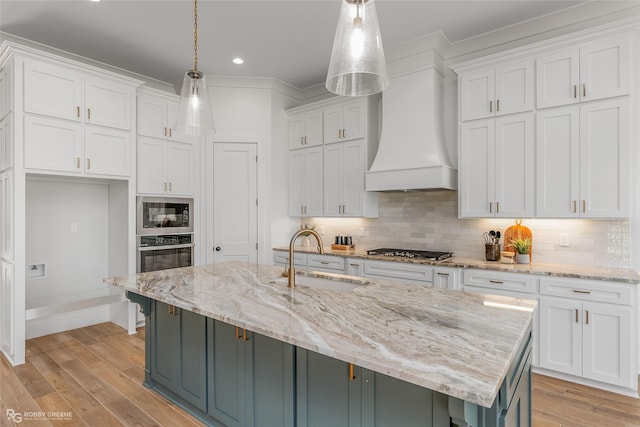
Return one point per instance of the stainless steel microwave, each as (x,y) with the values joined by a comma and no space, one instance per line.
(164,215)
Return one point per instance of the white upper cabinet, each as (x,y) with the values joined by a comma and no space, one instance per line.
(65,93)
(305,129)
(6,142)
(583,160)
(157,116)
(497,167)
(305,181)
(165,167)
(344,122)
(594,71)
(6,91)
(77,122)
(493,92)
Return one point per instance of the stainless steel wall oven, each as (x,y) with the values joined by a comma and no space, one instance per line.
(161,252)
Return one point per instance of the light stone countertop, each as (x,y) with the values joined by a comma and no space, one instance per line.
(447,341)
(624,275)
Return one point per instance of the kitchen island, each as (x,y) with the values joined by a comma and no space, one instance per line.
(464,359)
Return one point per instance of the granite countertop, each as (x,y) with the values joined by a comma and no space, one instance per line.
(451,342)
(624,275)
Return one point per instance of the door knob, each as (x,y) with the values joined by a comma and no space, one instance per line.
(218,248)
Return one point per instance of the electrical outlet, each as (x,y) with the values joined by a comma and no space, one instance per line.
(362,232)
(74,227)
(564,240)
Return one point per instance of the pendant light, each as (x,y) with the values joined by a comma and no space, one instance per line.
(357,65)
(194,110)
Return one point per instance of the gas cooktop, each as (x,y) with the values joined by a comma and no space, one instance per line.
(411,253)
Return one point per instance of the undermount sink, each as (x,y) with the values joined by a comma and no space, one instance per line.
(325,281)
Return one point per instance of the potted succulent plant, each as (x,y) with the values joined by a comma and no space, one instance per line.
(522,247)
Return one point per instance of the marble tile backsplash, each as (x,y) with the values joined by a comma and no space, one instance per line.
(429,220)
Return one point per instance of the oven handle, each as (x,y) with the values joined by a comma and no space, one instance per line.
(160,248)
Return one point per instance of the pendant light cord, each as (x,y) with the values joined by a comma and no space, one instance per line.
(195,35)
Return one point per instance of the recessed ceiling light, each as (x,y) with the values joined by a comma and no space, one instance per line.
(238,61)
(95,1)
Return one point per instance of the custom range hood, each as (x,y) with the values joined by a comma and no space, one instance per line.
(412,154)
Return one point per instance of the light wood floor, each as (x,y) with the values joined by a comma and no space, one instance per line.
(93,377)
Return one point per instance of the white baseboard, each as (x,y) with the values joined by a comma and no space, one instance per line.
(632,392)
(67,321)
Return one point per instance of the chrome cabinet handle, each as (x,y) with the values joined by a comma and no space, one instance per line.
(497,282)
(324,262)
(443,274)
(580,291)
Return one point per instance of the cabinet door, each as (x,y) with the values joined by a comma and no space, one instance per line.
(297,182)
(271,373)
(325,393)
(152,116)
(354,267)
(385,400)
(557,162)
(52,91)
(165,340)
(477,95)
(514,159)
(332,124)
(607,334)
(296,131)
(313,181)
(353,122)
(557,79)
(333,180)
(514,88)
(353,172)
(179,168)
(6,142)
(7,228)
(561,335)
(150,170)
(313,129)
(604,159)
(52,144)
(446,278)
(605,69)
(107,151)
(6,91)
(107,103)
(477,169)
(7,286)
(192,384)
(226,373)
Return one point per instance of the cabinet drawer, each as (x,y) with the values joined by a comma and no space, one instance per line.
(589,290)
(498,280)
(325,262)
(398,270)
(282,258)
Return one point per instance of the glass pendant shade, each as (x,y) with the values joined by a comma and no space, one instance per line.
(357,65)
(195,117)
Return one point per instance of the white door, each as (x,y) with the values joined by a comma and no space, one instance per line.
(107,151)
(107,103)
(296,131)
(235,209)
(179,168)
(515,161)
(514,88)
(557,162)
(52,91)
(605,70)
(332,124)
(151,169)
(152,117)
(607,349)
(604,159)
(557,79)
(353,120)
(561,335)
(478,91)
(477,169)
(52,144)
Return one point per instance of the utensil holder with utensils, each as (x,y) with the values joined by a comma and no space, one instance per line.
(492,251)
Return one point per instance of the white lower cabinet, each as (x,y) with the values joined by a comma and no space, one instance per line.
(354,267)
(326,263)
(446,278)
(587,338)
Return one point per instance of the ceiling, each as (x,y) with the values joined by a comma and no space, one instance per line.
(289,40)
